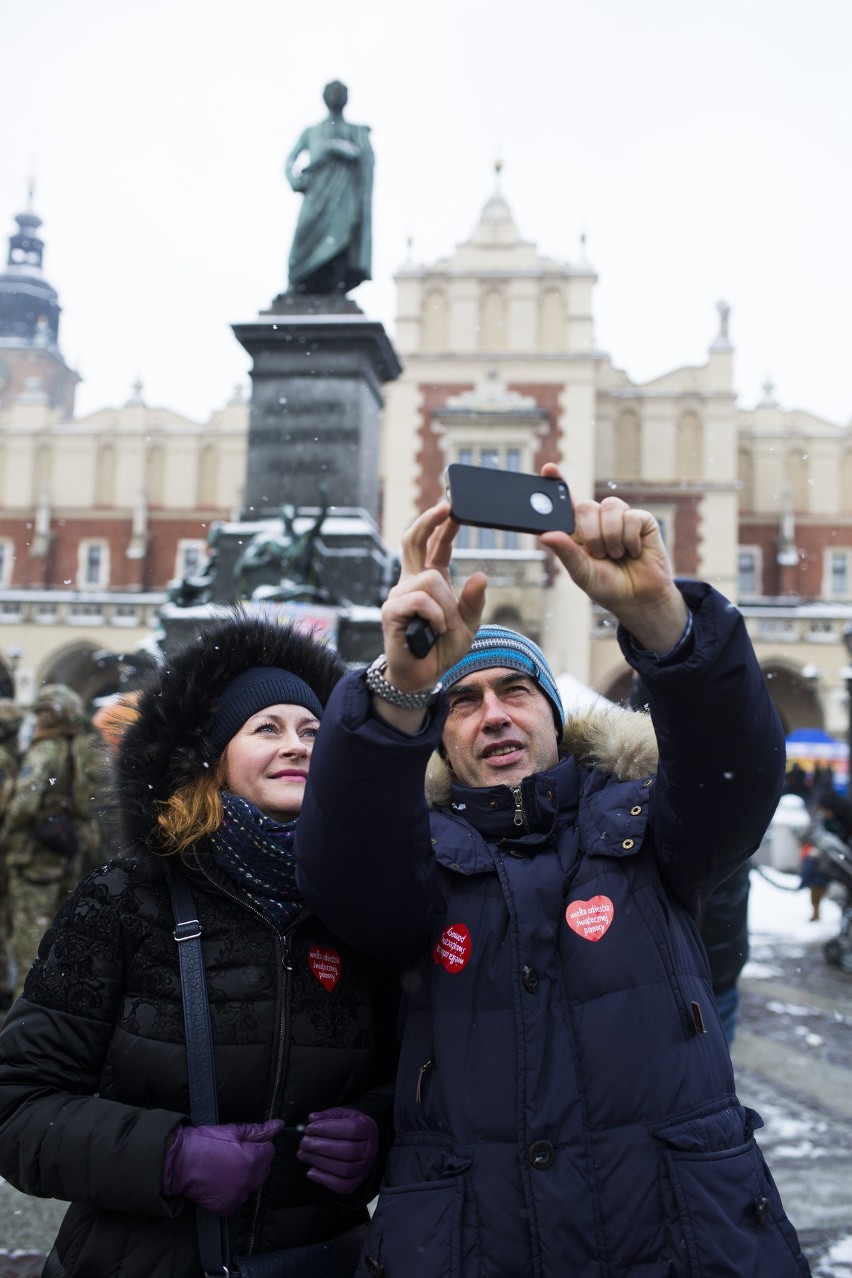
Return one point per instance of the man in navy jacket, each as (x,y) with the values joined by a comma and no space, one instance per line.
(565,1099)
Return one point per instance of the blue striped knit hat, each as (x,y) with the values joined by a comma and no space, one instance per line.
(497,646)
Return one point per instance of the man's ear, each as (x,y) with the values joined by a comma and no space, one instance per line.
(442,751)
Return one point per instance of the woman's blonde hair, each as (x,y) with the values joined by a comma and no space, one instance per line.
(193,811)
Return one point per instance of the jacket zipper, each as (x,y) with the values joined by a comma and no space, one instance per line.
(281,1064)
(519,818)
(282,1055)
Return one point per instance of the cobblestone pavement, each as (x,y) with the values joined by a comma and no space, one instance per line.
(793,1059)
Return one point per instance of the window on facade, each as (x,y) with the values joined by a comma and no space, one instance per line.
(837,574)
(748,572)
(6,558)
(189,557)
(94,563)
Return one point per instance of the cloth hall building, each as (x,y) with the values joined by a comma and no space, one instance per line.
(501,368)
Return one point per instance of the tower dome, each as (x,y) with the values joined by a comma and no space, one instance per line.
(29,307)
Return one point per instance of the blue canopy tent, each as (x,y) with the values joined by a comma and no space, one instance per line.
(814,747)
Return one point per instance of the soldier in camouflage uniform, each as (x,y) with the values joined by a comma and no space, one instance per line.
(61,775)
(11,717)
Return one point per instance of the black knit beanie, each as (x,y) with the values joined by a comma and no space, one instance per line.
(253,690)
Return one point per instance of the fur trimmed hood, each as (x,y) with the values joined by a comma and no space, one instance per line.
(168,744)
(619,742)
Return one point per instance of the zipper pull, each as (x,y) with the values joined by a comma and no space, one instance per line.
(518,818)
(418,1091)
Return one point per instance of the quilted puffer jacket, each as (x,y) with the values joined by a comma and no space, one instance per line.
(565,1098)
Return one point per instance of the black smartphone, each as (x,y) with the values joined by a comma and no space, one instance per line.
(510,499)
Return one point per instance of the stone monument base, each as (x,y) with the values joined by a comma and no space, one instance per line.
(349,576)
(316,401)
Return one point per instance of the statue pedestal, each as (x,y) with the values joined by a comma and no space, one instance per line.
(317,372)
(313,446)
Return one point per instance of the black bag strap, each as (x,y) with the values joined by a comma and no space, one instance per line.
(203,1106)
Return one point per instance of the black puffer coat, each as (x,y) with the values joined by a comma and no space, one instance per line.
(93,1072)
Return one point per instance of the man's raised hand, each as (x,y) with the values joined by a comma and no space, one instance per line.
(616,555)
(424,590)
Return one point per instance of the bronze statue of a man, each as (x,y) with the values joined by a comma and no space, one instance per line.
(333,243)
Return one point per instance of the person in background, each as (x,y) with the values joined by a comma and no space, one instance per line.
(50,828)
(11,717)
(834,814)
(565,1101)
(94,1097)
(797,781)
(822,785)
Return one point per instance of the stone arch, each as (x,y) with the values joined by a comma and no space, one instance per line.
(77,666)
(796,698)
(627,459)
(689,447)
(435,334)
(493,320)
(551,320)
(92,672)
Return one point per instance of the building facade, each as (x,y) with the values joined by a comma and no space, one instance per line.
(501,368)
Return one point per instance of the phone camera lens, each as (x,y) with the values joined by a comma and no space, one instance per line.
(541,503)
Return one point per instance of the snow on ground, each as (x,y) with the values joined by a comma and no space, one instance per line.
(777,911)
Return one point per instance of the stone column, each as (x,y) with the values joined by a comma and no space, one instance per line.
(315,409)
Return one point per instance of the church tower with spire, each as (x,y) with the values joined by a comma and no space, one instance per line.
(31,363)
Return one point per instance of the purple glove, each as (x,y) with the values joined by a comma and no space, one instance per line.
(218,1167)
(341,1146)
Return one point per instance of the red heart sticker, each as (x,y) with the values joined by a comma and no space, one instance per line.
(590,919)
(453,949)
(325,965)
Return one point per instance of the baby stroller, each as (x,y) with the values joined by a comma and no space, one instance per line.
(835,862)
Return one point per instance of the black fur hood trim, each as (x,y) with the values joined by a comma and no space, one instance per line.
(168,745)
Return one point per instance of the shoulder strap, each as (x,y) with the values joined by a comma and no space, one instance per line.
(203,1106)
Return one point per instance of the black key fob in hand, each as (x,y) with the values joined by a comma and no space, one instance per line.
(420,638)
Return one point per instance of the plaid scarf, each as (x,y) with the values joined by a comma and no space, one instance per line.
(257,853)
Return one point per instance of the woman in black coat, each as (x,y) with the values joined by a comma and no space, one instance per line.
(94,1098)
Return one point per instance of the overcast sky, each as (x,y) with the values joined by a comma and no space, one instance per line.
(704,150)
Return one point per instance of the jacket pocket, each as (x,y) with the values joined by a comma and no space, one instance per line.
(423,1228)
(723,1211)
